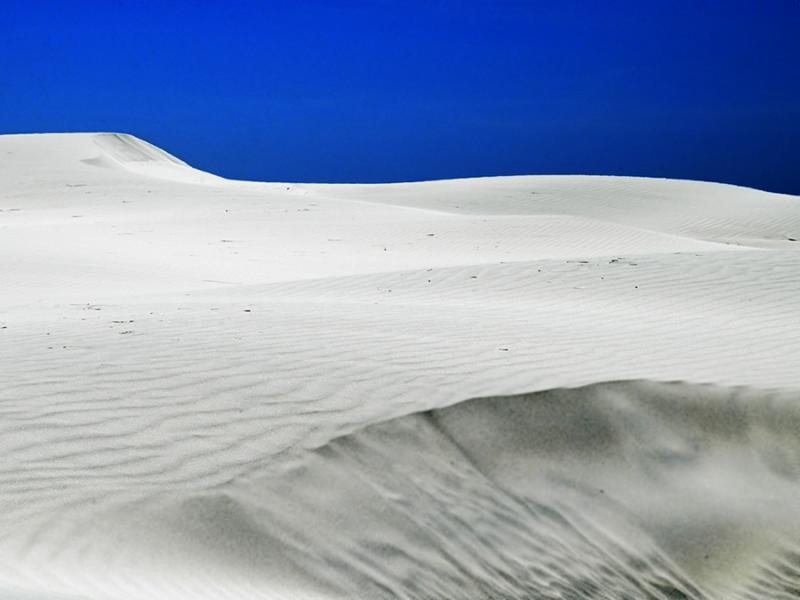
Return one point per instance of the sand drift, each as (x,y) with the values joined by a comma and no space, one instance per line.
(634,490)
(520,387)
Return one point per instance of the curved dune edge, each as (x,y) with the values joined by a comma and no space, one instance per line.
(143,158)
(632,489)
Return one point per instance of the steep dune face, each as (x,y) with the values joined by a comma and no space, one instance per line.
(630,489)
(141,157)
(220,389)
(62,157)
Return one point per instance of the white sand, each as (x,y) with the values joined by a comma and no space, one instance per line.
(220,389)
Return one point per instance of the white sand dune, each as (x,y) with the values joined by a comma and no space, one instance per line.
(515,387)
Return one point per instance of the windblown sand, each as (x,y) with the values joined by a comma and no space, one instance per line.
(520,387)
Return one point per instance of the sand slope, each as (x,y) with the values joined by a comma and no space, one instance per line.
(221,389)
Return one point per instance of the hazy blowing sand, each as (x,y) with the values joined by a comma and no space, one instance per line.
(519,387)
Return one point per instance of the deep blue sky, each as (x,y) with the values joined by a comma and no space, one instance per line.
(390,90)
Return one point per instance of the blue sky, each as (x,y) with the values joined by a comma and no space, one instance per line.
(405,90)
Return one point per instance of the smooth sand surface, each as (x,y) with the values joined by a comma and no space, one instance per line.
(518,387)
